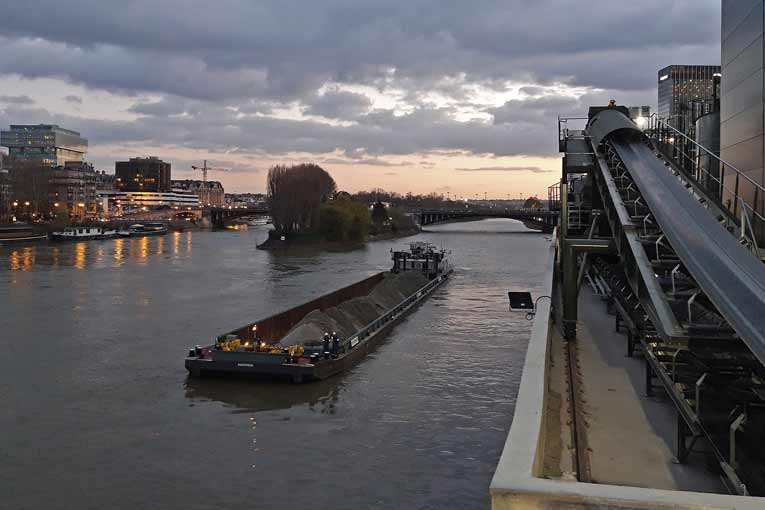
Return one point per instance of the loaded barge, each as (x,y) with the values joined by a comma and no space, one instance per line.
(290,346)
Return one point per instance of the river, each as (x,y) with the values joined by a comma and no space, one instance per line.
(97,410)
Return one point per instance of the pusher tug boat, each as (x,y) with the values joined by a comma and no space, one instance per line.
(329,334)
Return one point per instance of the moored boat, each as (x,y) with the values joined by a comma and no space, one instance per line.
(19,232)
(83,234)
(144,229)
(297,344)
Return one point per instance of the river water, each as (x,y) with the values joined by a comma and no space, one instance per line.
(96,410)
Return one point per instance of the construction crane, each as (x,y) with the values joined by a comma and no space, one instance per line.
(206,169)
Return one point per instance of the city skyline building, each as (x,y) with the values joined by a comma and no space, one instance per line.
(73,189)
(149,174)
(49,144)
(210,193)
(685,93)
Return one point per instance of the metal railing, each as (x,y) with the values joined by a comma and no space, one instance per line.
(553,197)
(719,179)
(564,132)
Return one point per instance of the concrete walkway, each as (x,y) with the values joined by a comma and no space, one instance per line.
(630,437)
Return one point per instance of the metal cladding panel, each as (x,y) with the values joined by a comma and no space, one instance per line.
(734,12)
(741,127)
(747,94)
(607,122)
(728,274)
(742,66)
(744,34)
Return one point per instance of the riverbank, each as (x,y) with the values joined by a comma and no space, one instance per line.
(278,241)
(387,236)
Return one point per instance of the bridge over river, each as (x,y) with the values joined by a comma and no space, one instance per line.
(536,219)
(219,215)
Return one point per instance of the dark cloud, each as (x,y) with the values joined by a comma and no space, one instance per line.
(218,74)
(339,104)
(23,99)
(532,169)
(167,106)
(72,98)
(263,49)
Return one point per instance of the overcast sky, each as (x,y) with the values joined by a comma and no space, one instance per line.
(436,95)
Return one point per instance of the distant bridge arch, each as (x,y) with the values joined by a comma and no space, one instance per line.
(536,219)
(219,215)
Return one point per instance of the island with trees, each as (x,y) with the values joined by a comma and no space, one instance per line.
(306,207)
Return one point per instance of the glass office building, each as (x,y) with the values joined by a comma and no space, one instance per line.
(47,143)
(686,92)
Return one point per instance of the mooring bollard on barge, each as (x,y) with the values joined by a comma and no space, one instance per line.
(255,349)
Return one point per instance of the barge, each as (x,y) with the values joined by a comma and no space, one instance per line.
(272,347)
(144,229)
(83,234)
(19,232)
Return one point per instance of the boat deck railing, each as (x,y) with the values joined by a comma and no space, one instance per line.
(390,315)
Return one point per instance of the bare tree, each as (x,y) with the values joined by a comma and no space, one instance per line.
(295,194)
(31,186)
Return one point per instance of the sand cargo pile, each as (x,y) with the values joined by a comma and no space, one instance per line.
(354,314)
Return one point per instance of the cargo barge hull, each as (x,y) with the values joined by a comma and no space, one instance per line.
(255,349)
(361,343)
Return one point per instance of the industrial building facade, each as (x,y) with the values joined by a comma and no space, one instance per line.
(742,96)
(48,144)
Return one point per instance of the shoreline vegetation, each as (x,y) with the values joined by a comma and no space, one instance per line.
(307,209)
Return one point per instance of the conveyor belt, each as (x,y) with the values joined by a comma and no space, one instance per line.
(732,279)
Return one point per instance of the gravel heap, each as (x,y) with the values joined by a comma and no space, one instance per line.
(352,315)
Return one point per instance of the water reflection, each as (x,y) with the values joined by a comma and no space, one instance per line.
(119,245)
(22,259)
(80,254)
(246,395)
(143,249)
(84,254)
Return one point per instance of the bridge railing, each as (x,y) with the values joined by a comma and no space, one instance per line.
(738,193)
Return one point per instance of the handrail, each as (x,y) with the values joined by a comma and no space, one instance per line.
(563,121)
(659,120)
(365,332)
(739,207)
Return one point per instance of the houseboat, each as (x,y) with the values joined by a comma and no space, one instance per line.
(83,234)
(144,229)
(271,348)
